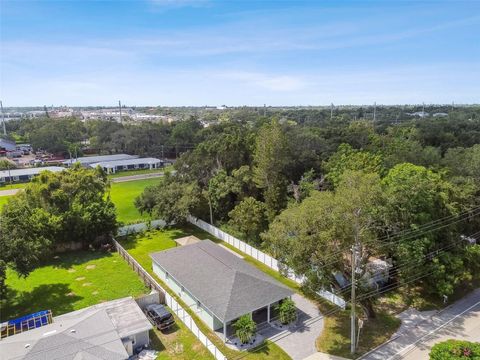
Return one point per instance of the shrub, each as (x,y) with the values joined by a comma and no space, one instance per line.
(287,311)
(245,328)
(455,350)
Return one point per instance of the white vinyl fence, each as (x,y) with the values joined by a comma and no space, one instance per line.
(135,228)
(176,308)
(262,257)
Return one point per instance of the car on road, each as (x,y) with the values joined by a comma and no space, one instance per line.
(159,316)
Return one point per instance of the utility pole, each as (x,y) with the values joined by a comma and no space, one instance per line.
(374,111)
(120,108)
(355,249)
(331,111)
(3,119)
(352,315)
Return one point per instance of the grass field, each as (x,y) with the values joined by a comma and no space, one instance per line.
(140,246)
(69,282)
(13,186)
(123,195)
(3,201)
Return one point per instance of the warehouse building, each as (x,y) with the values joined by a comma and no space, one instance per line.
(88,160)
(22,175)
(111,167)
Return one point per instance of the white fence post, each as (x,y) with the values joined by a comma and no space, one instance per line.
(261,256)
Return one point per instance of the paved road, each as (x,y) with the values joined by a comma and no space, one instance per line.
(9,192)
(136,177)
(299,342)
(460,321)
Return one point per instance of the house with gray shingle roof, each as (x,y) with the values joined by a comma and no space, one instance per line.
(219,286)
(108,331)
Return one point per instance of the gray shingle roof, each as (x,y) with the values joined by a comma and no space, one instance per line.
(226,285)
(91,333)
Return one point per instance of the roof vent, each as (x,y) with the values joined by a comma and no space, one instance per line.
(73,331)
(27,346)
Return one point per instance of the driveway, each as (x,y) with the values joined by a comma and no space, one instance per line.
(461,320)
(299,343)
(136,177)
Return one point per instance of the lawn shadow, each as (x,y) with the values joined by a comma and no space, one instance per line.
(155,342)
(74,258)
(56,297)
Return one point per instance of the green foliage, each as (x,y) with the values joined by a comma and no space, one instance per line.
(463,161)
(270,160)
(56,135)
(347,158)
(249,218)
(245,328)
(455,350)
(55,208)
(287,311)
(6,164)
(309,235)
(170,201)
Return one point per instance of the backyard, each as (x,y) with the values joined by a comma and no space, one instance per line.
(70,281)
(140,246)
(123,195)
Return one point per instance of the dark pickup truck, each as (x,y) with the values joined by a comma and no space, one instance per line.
(159,316)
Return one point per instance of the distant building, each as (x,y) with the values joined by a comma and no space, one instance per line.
(7,145)
(87,160)
(110,330)
(22,175)
(128,164)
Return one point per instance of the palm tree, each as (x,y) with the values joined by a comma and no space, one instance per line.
(245,328)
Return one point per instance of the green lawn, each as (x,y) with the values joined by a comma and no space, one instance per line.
(70,282)
(123,195)
(141,245)
(13,186)
(3,201)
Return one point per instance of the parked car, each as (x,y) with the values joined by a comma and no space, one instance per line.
(159,316)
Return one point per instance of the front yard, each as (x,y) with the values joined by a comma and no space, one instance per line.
(141,245)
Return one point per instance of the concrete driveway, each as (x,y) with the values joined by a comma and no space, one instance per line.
(299,342)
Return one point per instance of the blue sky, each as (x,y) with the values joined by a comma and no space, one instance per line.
(239,52)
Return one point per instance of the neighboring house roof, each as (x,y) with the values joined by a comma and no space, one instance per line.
(226,285)
(8,145)
(95,159)
(95,332)
(187,240)
(125,162)
(29,171)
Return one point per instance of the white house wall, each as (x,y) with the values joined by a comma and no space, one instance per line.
(209,319)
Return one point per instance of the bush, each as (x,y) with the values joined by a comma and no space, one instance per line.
(245,328)
(455,350)
(287,311)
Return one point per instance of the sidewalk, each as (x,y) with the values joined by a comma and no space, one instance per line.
(456,318)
